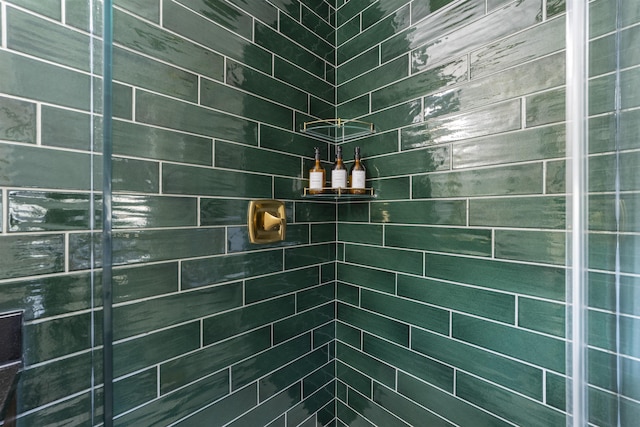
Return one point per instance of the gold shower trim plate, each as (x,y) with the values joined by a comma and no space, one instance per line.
(267,221)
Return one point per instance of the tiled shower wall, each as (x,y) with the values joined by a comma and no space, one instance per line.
(207,95)
(451,285)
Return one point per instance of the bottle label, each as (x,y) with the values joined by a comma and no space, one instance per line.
(339,178)
(358,179)
(315,180)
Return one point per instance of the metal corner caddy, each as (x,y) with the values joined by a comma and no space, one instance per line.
(337,130)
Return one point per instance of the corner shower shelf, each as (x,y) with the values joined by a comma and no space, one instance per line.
(340,194)
(337,130)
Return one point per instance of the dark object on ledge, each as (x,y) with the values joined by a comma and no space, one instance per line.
(10,363)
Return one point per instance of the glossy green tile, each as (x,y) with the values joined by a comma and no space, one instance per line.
(492,398)
(419,84)
(353,212)
(387,258)
(629,81)
(122,101)
(291,373)
(366,364)
(51,42)
(301,79)
(603,289)
(222,97)
(525,212)
(30,255)
(53,381)
(448,406)
(533,280)
(146,316)
(145,9)
(132,139)
(304,37)
(74,408)
(48,211)
(503,22)
(291,142)
(350,29)
(40,297)
(389,329)
(545,108)
(17,120)
(225,325)
(437,212)
(360,233)
(147,246)
(428,29)
(300,323)
(542,74)
(56,338)
(264,12)
(152,349)
(321,378)
(134,390)
(224,410)
(323,233)
(531,246)
(274,42)
(348,417)
(50,9)
(171,408)
(354,108)
(183,370)
(348,294)
(354,379)
(495,119)
(281,283)
(603,178)
(502,370)
(207,271)
(542,316)
(131,283)
(484,303)
(423,9)
(372,411)
(252,81)
(251,369)
(292,8)
(453,240)
(410,312)
(360,64)
(524,46)
(201,30)
(537,349)
(405,408)
(309,255)
(349,9)
(414,161)
(429,370)
(157,110)
(84,15)
(134,211)
(244,158)
(602,55)
(223,211)
(381,30)
(528,144)
(602,252)
(238,239)
(555,7)
(629,12)
(629,124)
(135,175)
(222,13)
(315,212)
(23,77)
(315,296)
(601,94)
(180,179)
(392,188)
(266,412)
(68,129)
(375,78)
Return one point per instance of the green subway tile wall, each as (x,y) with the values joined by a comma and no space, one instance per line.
(441,302)
(451,285)
(208,97)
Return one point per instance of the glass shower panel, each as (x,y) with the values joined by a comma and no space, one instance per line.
(51,199)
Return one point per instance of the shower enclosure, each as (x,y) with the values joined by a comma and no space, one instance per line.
(134,133)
